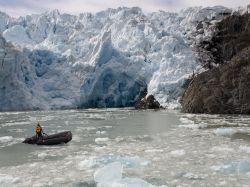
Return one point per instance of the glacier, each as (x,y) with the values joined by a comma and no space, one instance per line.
(55,60)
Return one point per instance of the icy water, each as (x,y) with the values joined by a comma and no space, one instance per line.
(126,148)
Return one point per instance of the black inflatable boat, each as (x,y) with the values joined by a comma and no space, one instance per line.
(54,139)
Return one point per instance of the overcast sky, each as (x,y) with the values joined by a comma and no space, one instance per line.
(24,7)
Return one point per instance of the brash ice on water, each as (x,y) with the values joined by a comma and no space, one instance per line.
(128,148)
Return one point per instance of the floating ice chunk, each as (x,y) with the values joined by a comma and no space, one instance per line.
(96,116)
(179,152)
(79,129)
(225,131)
(220,167)
(190,126)
(58,180)
(127,182)
(5,139)
(76,138)
(32,165)
(154,151)
(9,124)
(42,155)
(222,149)
(38,184)
(244,149)
(236,166)
(87,163)
(202,125)
(133,182)
(111,176)
(99,148)
(127,161)
(101,140)
(7,180)
(243,166)
(186,121)
(110,172)
(100,132)
(193,176)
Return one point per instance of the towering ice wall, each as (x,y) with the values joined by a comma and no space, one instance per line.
(35,79)
(103,59)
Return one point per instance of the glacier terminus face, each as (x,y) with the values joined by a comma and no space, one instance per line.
(54,60)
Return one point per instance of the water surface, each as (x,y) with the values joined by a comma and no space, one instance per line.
(161,148)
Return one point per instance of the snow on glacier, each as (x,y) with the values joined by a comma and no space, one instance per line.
(18,34)
(105,59)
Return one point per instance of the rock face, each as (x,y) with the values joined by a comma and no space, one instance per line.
(231,36)
(224,89)
(147,102)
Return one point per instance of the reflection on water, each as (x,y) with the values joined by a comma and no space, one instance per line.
(155,148)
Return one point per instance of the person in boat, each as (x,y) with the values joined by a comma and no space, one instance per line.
(39,131)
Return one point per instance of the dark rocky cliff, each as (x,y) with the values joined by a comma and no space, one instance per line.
(147,101)
(226,88)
